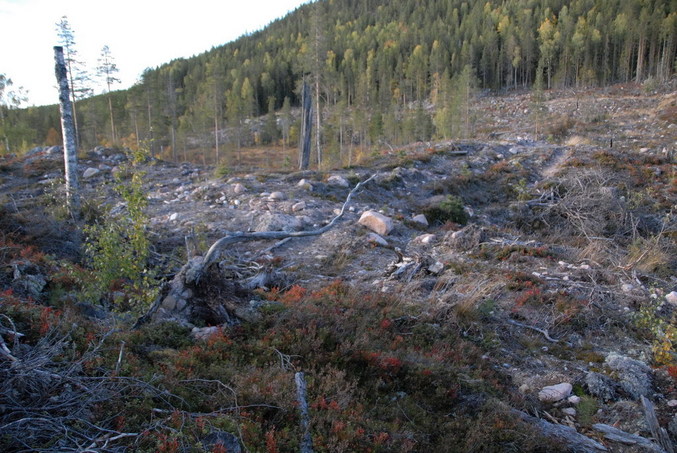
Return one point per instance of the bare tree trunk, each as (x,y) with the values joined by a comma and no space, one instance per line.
(306,440)
(68,131)
(112,121)
(318,119)
(306,127)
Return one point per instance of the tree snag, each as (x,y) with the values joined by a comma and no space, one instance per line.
(68,130)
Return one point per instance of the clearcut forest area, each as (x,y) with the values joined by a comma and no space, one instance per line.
(484,261)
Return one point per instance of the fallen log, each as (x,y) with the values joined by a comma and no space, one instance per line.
(573,439)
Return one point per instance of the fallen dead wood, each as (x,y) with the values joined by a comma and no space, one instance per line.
(573,439)
(175,300)
(617,435)
(660,434)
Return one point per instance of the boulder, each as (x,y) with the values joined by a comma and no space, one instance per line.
(634,376)
(238,188)
(203,333)
(269,221)
(305,184)
(425,239)
(601,386)
(378,223)
(300,206)
(90,172)
(374,238)
(466,239)
(420,219)
(671,297)
(277,196)
(338,181)
(554,393)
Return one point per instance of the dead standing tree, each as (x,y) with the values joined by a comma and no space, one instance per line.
(306,127)
(68,131)
(193,294)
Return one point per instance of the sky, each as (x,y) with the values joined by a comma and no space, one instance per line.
(140,34)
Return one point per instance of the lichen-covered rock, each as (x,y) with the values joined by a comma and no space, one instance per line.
(601,386)
(634,376)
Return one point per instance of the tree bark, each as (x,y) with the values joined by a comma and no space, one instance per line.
(68,131)
(306,127)
(306,439)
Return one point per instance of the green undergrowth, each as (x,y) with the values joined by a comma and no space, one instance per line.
(381,376)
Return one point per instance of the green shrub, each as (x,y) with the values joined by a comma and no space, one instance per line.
(449,210)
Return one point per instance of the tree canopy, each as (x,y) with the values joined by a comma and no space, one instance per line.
(375,62)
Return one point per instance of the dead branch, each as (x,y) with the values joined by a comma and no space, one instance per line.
(237,237)
(660,434)
(306,440)
(573,439)
(616,435)
(541,331)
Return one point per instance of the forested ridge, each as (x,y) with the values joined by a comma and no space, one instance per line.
(385,72)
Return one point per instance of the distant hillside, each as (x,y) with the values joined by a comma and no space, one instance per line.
(385,71)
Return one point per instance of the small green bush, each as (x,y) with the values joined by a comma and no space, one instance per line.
(449,210)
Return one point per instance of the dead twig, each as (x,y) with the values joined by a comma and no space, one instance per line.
(541,331)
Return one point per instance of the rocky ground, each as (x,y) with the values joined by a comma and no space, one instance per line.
(563,238)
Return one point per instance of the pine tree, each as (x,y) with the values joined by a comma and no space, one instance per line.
(106,71)
(78,77)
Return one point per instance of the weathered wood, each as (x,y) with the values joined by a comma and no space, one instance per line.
(306,127)
(68,131)
(306,439)
(573,439)
(617,435)
(659,434)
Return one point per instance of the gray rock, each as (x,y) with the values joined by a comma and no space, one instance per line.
(238,188)
(425,239)
(420,219)
(376,222)
(554,393)
(436,268)
(338,181)
(573,399)
(305,184)
(269,221)
(90,172)
(277,196)
(671,297)
(467,238)
(634,376)
(300,206)
(203,333)
(601,386)
(229,442)
(627,287)
(569,411)
(376,239)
